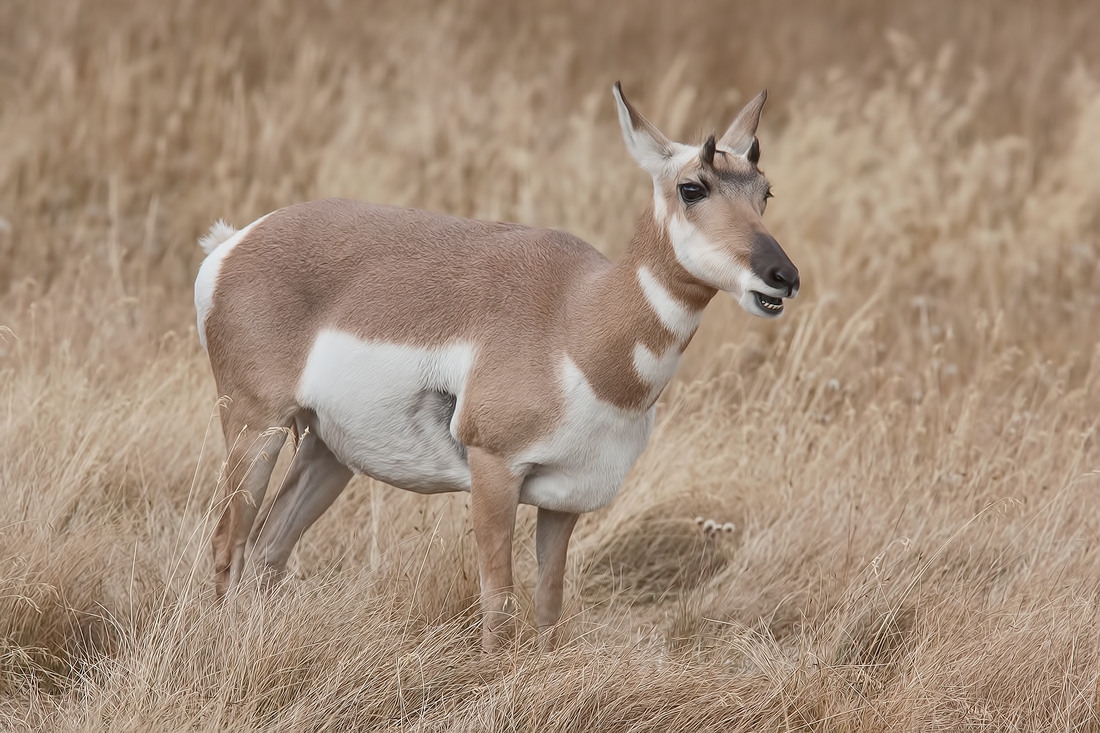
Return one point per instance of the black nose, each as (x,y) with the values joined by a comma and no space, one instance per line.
(782,276)
(771,264)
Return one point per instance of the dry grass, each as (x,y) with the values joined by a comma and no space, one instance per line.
(910,455)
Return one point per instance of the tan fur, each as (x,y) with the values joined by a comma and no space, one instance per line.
(541,289)
(526,297)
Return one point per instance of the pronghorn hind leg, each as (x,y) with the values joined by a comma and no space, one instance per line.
(252,453)
(494,496)
(315,479)
(552,533)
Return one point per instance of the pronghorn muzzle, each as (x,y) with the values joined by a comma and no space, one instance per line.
(770,263)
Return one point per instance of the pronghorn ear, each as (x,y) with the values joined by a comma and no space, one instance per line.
(646,143)
(740,138)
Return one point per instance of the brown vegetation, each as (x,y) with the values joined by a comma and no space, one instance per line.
(910,455)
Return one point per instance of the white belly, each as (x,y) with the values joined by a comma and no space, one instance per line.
(582,465)
(387,410)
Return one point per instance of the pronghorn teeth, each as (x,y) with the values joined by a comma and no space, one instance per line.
(769,303)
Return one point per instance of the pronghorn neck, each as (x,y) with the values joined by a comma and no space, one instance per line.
(651,248)
(636,319)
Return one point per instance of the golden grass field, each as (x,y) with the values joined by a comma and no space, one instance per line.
(910,455)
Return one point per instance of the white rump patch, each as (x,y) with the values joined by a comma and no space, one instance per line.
(674,315)
(583,464)
(219,232)
(390,410)
(216,248)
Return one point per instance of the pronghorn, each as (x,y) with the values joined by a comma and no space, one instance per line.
(443,354)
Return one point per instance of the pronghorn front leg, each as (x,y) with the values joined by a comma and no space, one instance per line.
(551,543)
(494,495)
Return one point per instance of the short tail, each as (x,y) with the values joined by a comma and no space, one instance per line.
(218,233)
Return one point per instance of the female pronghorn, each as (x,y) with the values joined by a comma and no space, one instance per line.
(444,354)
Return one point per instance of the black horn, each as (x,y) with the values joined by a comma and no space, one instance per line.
(707,153)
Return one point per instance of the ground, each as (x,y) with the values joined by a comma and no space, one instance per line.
(909,456)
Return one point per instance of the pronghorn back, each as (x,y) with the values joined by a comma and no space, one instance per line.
(412,299)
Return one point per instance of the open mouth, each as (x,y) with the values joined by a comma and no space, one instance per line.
(768,303)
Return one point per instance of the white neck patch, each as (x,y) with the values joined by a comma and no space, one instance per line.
(674,315)
(656,370)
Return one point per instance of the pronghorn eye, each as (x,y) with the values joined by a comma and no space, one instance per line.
(692,192)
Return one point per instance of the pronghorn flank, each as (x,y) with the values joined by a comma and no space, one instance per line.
(443,354)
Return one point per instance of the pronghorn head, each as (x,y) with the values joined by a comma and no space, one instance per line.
(710,200)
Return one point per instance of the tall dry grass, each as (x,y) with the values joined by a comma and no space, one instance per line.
(909,456)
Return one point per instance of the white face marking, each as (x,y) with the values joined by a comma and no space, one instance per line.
(660,208)
(385,409)
(207,278)
(706,261)
(674,315)
(582,465)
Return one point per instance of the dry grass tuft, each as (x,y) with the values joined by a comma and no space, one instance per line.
(910,456)
(656,557)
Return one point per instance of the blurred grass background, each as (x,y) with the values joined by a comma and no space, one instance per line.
(909,455)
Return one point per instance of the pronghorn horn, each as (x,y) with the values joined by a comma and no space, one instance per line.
(706,155)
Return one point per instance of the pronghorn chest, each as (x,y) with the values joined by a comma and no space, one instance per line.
(581,465)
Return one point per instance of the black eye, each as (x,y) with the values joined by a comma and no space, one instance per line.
(692,192)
